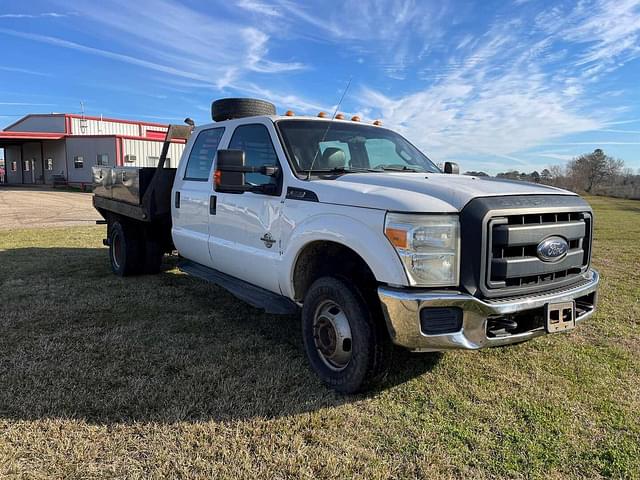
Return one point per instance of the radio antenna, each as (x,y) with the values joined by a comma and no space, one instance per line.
(324,136)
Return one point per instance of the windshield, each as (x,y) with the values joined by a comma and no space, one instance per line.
(348,147)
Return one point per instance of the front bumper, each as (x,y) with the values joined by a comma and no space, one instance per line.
(402,308)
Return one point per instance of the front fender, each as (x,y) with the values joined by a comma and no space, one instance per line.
(361,230)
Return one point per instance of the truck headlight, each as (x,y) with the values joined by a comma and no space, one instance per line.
(428,245)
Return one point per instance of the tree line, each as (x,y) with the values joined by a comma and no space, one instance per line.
(594,173)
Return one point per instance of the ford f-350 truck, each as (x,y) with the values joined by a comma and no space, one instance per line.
(352,226)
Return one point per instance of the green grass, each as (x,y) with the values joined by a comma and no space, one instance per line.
(168,377)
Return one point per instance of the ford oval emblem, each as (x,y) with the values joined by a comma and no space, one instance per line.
(552,249)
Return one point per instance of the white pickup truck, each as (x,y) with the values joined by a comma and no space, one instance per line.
(351,225)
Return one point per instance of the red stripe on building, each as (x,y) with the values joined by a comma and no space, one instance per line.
(32,135)
(156,134)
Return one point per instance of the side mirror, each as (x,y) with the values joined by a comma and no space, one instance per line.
(229,174)
(452,168)
(230,170)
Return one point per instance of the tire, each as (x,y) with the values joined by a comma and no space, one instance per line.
(153,254)
(229,108)
(327,303)
(125,249)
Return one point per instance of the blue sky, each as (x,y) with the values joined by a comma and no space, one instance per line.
(518,84)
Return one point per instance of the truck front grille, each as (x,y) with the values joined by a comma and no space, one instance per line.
(513,265)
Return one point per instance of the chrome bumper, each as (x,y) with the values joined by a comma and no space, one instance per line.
(402,307)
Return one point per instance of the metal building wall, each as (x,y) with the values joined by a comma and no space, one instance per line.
(147,153)
(107,127)
(55,150)
(88,148)
(101,127)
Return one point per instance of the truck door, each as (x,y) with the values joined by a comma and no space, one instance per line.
(192,191)
(244,233)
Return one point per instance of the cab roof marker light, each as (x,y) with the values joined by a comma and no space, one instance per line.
(289,113)
(339,116)
(355,118)
(322,115)
(377,123)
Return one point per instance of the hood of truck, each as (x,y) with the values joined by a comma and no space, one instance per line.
(419,192)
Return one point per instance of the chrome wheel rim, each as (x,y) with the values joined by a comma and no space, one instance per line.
(332,335)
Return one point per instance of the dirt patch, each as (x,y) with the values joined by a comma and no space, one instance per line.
(22,207)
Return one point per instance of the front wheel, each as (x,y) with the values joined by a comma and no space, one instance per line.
(344,337)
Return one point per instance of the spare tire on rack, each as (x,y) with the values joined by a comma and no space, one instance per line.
(230,108)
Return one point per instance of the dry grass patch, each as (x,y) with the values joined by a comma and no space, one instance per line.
(165,376)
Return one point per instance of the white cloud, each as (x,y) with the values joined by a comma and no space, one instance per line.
(27,104)
(394,34)
(596,142)
(485,105)
(611,29)
(36,15)
(504,95)
(175,40)
(24,70)
(633,132)
(467,88)
(564,157)
(260,8)
(103,53)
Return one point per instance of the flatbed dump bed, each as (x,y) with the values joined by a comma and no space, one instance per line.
(136,205)
(140,193)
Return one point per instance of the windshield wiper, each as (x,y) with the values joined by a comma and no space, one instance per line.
(397,168)
(342,170)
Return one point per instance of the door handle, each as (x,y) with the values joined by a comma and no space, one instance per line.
(177,200)
(212,204)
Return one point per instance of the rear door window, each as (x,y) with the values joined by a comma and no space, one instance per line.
(202,154)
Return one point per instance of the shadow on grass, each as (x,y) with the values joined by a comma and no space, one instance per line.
(79,342)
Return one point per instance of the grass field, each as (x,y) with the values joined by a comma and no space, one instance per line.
(168,377)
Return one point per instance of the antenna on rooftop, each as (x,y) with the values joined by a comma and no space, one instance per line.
(324,136)
(83,121)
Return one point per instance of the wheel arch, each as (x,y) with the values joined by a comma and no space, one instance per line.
(319,258)
(366,245)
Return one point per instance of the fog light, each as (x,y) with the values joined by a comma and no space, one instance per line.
(436,321)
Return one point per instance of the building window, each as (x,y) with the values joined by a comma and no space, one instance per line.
(49,164)
(78,162)
(103,159)
(14,166)
(130,158)
(152,160)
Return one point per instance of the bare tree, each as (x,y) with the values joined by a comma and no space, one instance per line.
(593,169)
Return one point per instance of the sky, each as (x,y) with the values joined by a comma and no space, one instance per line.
(492,85)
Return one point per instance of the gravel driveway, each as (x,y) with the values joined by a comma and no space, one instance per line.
(25,207)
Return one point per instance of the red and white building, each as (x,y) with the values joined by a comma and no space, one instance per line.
(41,148)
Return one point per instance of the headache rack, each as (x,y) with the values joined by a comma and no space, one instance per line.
(512,263)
